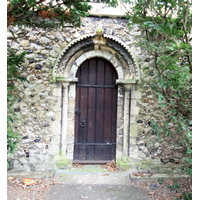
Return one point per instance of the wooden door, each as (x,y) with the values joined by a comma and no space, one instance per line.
(96,112)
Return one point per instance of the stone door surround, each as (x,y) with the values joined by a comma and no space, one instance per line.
(64,74)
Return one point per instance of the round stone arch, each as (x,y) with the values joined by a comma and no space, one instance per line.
(94,45)
(97,53)
(64,74)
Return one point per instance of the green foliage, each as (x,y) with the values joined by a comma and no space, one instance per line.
(160,180)
(46,13)
(187,196)
(14,69)
(166,36)
(175,186)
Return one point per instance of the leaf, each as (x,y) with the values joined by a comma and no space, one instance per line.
(82,197)
(171,182)
(151,193)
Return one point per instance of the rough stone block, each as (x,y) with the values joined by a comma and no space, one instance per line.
(50,114)
(165,170)
(40,167)
(70,130)
(79,53)
(122,166)
(51,166)
(80,60)
(56,48)
(72,91)
(32,160)
(133,130)
(17,166)
(53,53)
(74,69)
(120,72)
(70,148)
(147,162)
(141,154)
(134,110)
(124,159)
(143,169)
(23,160)
(155,169)
(58,36)
(106,55)
(53,149)
(137,95)
(26,168)
(62,164)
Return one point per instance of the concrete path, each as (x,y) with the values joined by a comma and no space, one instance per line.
(94,186)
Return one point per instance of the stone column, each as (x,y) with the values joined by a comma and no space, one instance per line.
(127,104)
(64,118)
(71,120)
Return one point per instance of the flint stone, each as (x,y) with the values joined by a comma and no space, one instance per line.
(50,114)
(40,145)
(35,47)
(9,35)
(32,160)
(45,40)
(23,160)
(30,56)
(53,53)
(157,145)
(59,36)
(56,48)
(25,43)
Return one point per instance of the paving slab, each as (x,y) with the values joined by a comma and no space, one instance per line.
(94,186)
(95,192)
(92,178)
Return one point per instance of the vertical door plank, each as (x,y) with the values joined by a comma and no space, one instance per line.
(99,108)
(83,107)
(91,109)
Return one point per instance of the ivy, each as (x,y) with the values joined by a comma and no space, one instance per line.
(166,36)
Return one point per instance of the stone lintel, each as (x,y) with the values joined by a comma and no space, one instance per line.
(67,79)
(126,81)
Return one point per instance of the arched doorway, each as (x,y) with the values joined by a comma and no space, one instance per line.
(95,112)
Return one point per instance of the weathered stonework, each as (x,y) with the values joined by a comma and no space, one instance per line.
(46,105)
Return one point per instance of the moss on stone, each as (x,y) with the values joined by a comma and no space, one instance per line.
(165,170)
(143,168)
(62,164)
(137,162)
(147,162)
(99,31)
(123,166)
(124,159)
(155,169)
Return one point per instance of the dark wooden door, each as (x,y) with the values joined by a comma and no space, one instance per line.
(96,112)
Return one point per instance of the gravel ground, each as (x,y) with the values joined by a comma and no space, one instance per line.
(166,189)
(156,190)
(44,184)
(16,190)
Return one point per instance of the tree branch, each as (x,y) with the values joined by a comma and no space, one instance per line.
(186,15)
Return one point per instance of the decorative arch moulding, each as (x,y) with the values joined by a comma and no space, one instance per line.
(96,45)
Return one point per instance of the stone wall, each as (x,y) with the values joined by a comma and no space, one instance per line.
(42,117)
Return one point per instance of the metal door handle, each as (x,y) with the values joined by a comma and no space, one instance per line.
(83,123)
